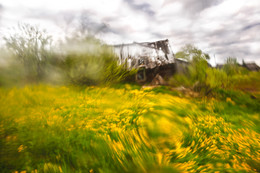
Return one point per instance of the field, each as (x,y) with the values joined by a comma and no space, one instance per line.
(127,129)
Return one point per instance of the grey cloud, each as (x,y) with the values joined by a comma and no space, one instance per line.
(56,16)
(241,52)
(251,26)
(194,7)
(71,19)
(144,7)
(87,21)
(234,35)
(83,21)
(1,9)
(158,35)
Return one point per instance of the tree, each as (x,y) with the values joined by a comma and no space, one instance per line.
(198,62)
(191,53)
(196,75)
(90,27)
(31,47)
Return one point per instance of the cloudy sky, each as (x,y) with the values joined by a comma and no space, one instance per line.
(221,28)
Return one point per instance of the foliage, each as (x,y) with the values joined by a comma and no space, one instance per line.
(88,62)
(31,47)
(80,60)
(181,80)
(247,82)
(196,74)
(190,53)
(200,77)
(61,129)
(217,78)
(231,67)
(239,97)
(11,71)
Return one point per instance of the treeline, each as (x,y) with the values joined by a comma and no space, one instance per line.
(201,77)
(29,55)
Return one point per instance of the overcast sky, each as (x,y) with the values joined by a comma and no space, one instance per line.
(221,28)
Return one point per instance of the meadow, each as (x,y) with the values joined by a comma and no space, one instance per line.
(46,128)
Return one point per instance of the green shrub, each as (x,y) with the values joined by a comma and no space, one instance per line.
(196,75)
(95,64)
(80,60)
(181,80)
(217,78)
(231,67)
(201,78)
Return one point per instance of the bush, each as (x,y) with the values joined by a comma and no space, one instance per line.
(231,67)
(196,75)
(89,62)
(201,78)
(217,79)
(80,60)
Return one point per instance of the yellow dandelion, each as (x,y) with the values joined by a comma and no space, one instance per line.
(21,148)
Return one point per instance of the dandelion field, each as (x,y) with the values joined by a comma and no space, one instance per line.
(99,129)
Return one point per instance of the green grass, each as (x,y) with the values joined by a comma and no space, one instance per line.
(126,129)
